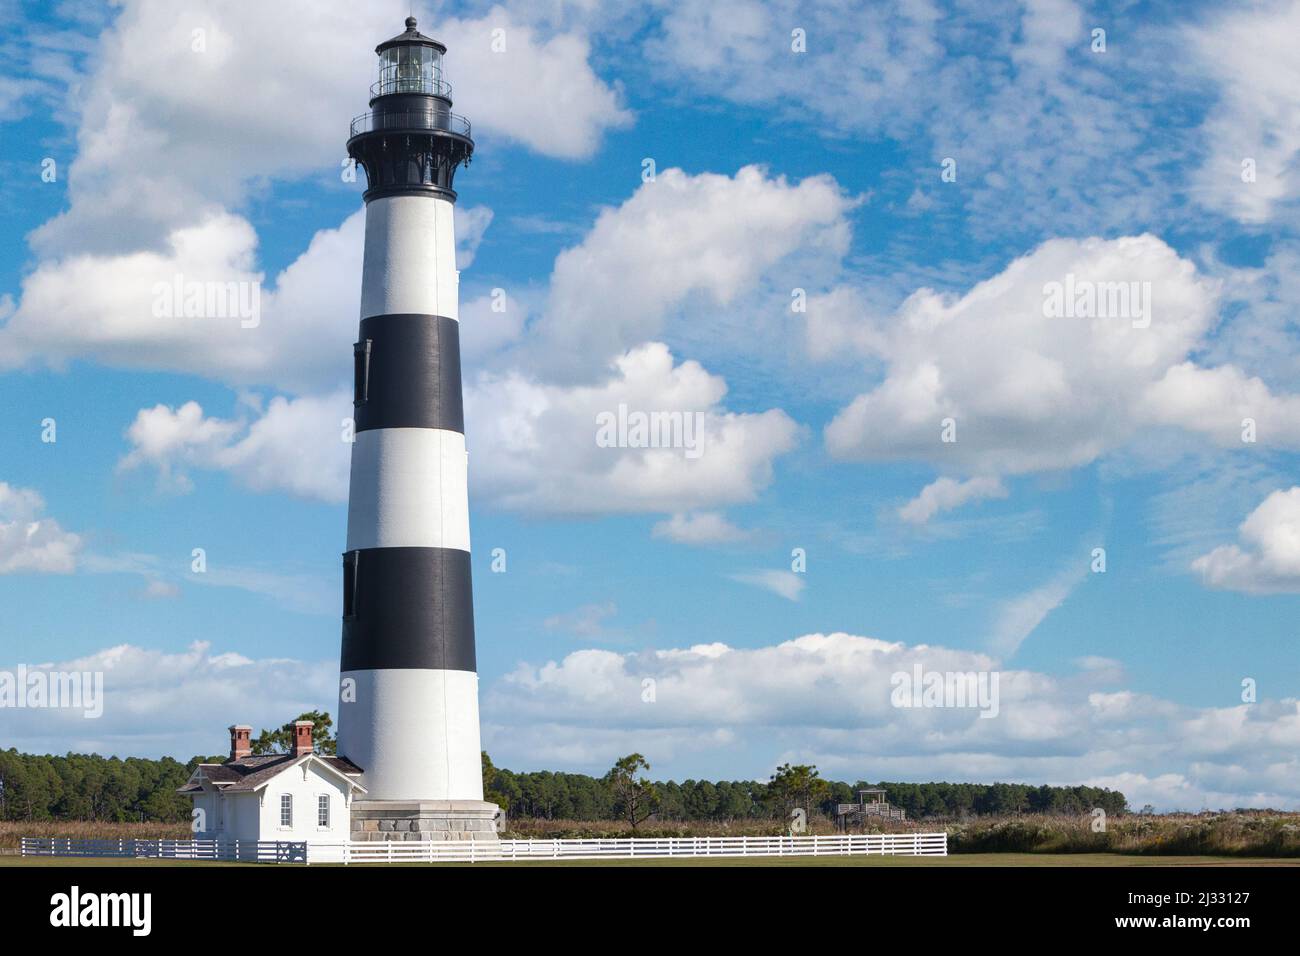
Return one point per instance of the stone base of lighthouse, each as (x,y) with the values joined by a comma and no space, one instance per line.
(379,820)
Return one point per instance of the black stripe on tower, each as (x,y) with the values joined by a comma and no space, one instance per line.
(407,608)
(408,373)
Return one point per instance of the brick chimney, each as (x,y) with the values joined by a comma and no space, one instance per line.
(302,742)
(240,745)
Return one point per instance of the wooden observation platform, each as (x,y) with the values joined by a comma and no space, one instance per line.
(871,804)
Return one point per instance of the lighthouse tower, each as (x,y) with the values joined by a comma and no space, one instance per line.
(408,711)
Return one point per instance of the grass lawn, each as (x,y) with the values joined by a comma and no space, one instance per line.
(956,860)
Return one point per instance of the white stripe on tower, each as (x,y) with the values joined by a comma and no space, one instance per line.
(410,262)
(408,713)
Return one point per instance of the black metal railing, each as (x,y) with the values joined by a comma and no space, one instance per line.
(414,120)
(411,84)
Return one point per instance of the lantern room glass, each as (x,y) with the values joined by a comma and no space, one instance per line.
(410,69)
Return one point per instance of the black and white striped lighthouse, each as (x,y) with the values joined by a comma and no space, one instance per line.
(408,616)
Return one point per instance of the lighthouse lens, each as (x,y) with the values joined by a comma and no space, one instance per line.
(410,69)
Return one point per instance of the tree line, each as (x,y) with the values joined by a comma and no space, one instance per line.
(572,796)
(91,787)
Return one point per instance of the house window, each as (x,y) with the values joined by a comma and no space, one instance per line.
(323,811)
(361,372)
(286,810)
(350,561)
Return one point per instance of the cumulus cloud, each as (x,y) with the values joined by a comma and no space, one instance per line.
(823,698)
(121,309)
(700,528)
(295,445)
(945,494)
(204,103)
(1267,559)
(539,91)
(827,698)
(533,445)
(175,703)
(30,542)
(1027,392)
(679,236)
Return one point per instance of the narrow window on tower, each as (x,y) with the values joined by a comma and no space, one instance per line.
(361,370)
(350,562)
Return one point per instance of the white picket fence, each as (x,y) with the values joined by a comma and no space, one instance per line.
(484,851)
(242,851)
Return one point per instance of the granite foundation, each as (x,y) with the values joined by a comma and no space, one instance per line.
(380,820)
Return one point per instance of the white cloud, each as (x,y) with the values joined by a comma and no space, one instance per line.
(1267,561)
(996,89)
(176,703)
(217,125)
(700,528)
(30,542)
(1031,393)
(679,236)
(1217,401)
(821,697)
(301,592)
(471,222)
(103,307)
(827,698)
(1020,616)
(487,328)
(540,91)
(786,584)
(944,494)
(106,306)
(588,621)
(533,445)
(158,589)
(296,445)
(1250,52)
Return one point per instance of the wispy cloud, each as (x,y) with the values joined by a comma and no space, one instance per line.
(1020,616)
(784,584)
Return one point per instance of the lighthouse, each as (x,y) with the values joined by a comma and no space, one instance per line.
(408,709)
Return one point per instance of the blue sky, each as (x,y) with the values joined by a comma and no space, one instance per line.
(776,170)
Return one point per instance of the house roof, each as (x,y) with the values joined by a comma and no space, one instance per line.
(251,773)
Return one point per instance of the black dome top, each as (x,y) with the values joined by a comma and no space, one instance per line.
(412,37)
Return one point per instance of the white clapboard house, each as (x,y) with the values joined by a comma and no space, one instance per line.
(299,796)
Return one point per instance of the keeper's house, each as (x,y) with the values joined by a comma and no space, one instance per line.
(298,796)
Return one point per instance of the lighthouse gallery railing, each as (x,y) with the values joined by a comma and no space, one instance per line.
(420,121)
